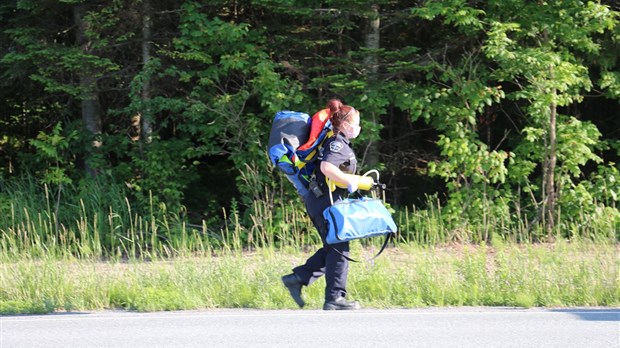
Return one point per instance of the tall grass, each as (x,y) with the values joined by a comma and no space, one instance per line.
(432,226)
(87,251)
(565,274)
(98,220)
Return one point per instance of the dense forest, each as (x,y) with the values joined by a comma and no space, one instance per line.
(502,110)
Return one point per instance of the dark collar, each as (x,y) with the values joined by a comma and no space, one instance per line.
(340,136)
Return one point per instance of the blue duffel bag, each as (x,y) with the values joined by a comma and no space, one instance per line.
(351,219)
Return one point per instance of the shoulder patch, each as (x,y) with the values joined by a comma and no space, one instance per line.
(335,146)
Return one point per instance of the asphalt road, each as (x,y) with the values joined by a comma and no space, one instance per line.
(429,327)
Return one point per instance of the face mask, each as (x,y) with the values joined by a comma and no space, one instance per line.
(352,131)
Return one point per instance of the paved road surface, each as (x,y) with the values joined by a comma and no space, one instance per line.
(429,327)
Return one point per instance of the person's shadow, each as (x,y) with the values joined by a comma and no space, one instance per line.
(44,314)
(602,314)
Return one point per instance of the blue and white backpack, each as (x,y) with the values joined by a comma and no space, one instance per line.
(289,131)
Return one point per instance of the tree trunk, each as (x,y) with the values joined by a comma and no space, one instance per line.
(91,110)
(550,158)
(372,42)
(550,168)
(147,117)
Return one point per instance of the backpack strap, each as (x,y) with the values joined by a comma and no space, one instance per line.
(385,243)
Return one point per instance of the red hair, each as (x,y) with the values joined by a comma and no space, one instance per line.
(333,105)
(343,114)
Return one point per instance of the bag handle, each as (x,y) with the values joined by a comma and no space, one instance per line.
(385,243)
(376,184)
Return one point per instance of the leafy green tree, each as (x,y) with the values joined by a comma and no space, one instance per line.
(538,58)
(52,152)
(543,52)
(62,54)
(498,108)
(227,91)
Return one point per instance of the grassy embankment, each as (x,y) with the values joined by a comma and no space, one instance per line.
(93,256)
(563,274)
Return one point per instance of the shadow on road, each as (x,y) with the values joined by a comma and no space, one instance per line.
(592,314)
(45,314)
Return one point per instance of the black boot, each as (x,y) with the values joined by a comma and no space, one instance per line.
(293,284)
(341,303)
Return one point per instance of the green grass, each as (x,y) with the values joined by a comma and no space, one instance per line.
(98,220)
(563,274)
(94,250)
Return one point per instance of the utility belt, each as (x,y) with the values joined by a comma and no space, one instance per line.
(316,188)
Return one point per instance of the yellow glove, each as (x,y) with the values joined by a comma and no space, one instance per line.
(363,182)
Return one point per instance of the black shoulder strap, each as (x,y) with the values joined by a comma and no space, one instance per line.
(385,243)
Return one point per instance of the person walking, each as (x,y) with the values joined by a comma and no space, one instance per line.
(336,161)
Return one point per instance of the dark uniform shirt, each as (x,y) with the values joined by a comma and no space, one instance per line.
(337,151)
(331,260)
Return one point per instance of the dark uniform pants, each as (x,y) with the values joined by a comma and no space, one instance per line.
(325,261)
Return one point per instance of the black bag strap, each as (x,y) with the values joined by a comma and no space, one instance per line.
(385,243)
